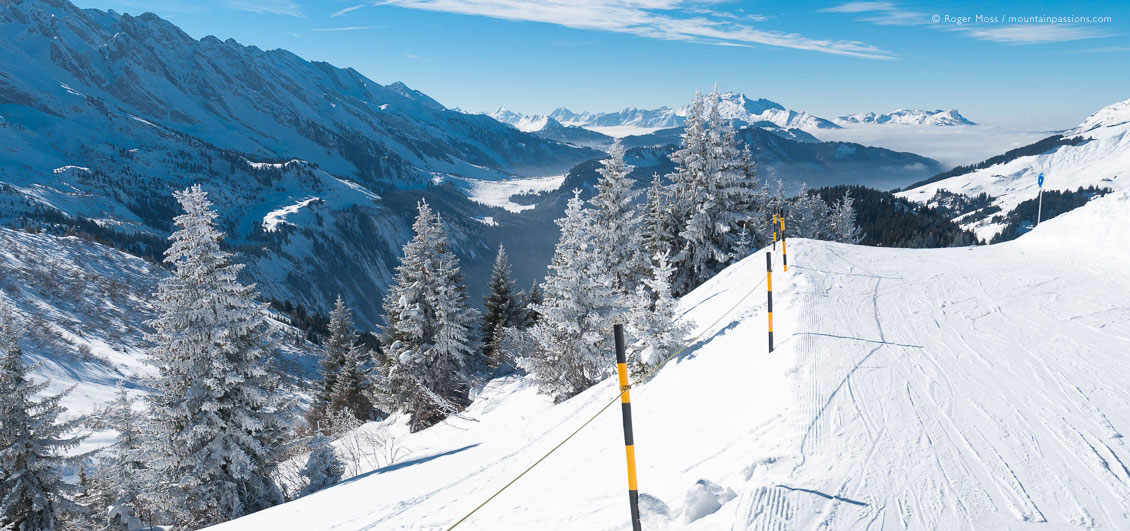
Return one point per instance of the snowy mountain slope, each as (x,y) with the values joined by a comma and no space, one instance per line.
(911,389)
(907,117)
(105,114)
(1102,159)
(89,66)
(632,121)
(83,307)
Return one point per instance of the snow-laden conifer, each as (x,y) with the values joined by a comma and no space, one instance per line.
(655,318)
(33,442)
(215,428)
(714,196)
(614,222)
(807,216)
(842,220)
(323,468)
(120,476)
(428,333)
(503,308)
(574,330)
(657,236)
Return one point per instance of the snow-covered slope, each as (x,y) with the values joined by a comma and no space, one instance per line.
(907,117)
(105,114)
(1102,159)
(954,388)
(83,308)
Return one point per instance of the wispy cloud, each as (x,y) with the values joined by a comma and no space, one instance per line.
(347,28)
(679,20)
(887,13)
(409,55)
(346,10)
(858,7)
(1033,33)
(881,13)
(274,7)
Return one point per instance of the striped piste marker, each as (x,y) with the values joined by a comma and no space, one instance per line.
(784,252)
(769,286)
(626,407)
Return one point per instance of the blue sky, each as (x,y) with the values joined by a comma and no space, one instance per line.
(601,55)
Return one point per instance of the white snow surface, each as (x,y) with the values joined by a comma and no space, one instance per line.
(498,193)
(955,388)
(1104,161)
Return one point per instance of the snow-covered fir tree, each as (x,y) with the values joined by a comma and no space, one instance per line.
(614,222)
(574,330)
(842,219)
(428,336)
(530,300)
(686,193)
(714,196)
(215,429)
(807,216)
(344,382)
(33,442)
(323,468)
(340,339)
(655,318)
(119,478)
(657,236)
(503,308)
(351,387)
(752,198)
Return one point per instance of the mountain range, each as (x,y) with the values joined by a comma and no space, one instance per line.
(734,106)
(316,170)
(907,117)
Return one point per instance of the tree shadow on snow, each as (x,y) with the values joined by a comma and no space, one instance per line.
(408,463)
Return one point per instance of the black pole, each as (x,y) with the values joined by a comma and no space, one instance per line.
(629,442)
(769,289)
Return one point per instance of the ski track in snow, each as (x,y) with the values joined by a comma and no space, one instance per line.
(965,388)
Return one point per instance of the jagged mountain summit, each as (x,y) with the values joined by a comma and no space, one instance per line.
(907,117)
(735,106)
(550,128)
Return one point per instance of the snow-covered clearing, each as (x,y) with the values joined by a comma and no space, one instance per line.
(498,193)
(273,218)
(921,389)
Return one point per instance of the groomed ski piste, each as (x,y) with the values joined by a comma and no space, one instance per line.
(963,388)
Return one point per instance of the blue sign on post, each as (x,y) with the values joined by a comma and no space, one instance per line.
(1041,180)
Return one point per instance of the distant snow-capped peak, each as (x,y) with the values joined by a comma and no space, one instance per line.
(1111,116)
(907,117)
(733,106)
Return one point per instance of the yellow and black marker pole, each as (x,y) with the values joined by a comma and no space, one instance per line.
(629,442)
(769,283)
(784,252)
(774,232)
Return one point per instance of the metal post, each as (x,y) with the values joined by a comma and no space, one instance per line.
(769,284)
(774,232)
(1040,209)
(629,442)
(784,252)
